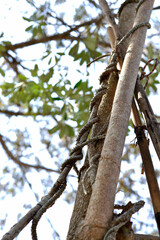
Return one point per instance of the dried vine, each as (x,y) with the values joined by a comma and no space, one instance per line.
(75,155)
(121,220)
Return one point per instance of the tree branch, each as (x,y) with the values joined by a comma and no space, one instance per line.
(22,223)
(150,119)
(145,237)
(94,4)
(121,220)
(12,113)
(60,36)
(156,8)
(10,155)
(109,18)
(17,228)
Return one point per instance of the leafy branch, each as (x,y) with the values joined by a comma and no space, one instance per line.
(59,36)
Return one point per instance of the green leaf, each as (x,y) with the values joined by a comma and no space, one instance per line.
(35,31)
(57,59)
(91,43)
(29,28)
(57,99)
(22,77)
(48,52)
(2,35)
(46,77)
(50,60)
(2,49)
(84,57)
(7,88)
(73,51)
(150,50)
(95,54)
(6,43)
(41,17)
(154,88)
(27,19)
(54,129)
(34,71)
(66,130)
(64,115)
(77,84)
(61,53)
(154,75)
(46,108)
(2,72)
(6,170)
(81,13)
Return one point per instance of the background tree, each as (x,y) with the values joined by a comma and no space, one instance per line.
(47,93)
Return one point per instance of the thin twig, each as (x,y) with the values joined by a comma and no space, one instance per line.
(96,59)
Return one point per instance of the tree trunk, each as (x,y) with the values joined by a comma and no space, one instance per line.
(98,209)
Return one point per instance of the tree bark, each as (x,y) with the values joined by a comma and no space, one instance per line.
(126,20)
(100,209)
(145,237)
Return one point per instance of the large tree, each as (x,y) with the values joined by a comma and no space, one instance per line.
(45,92)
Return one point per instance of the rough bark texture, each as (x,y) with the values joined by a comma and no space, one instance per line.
(145,237)
(126,19)
(99,212)
(82,201)
(103,114)
(79,211)
(100,209)
(151,121)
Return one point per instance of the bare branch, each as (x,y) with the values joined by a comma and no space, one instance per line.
(150,119)
(10,155)
(19,226)
(10,113)
(109,18)
(156,8)
(145,237)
